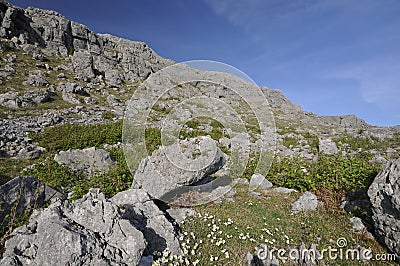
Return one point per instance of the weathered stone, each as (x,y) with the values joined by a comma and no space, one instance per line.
(11,100)
(159,233)
(259,181)
(283,190)
(89,231)
(328,146)
(180,214)
(30,152)
(358,225)
(39,95)
(307,202)
(36,79)
(113,101)
(22,193)
(70,98)
(180,164)
(91,160)
(83,63)
(384,194)
(113,77)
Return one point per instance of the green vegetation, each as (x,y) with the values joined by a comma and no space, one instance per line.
(153,139)
(108,115)
(311,139)
(368,143)
(289,142)
(78,136)
(117,179)
(337,173)
(223,234)
(10,168)
(215,133)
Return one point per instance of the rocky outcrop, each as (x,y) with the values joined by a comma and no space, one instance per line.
(142,212)
(91,160)
(93,54)
(384,194)
(181,164)
(24,193)
(14,132)
(89,231)
(30,98)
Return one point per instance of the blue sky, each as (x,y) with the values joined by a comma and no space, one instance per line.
(330,56)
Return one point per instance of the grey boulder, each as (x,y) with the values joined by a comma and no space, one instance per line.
(39,95)
(181,164)
(328,146)
(91,161)
(259,181)
(22,193)
(89,231)
(384,194)
(307,202)
(180,214)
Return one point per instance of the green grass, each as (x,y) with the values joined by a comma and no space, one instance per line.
(329,172)
(117,179)
(11,168)
(242,225)
(289,142)
(78,136)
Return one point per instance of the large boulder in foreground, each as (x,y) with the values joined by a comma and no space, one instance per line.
(158,231)
(384,194)
(24,193)
(89,231)
(181,164)
(91,160)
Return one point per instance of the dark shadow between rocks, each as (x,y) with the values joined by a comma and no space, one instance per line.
(206,185)
(155,243)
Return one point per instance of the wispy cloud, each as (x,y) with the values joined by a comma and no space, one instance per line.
(377,78)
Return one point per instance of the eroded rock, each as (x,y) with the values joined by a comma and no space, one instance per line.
(91,160)
(384,194)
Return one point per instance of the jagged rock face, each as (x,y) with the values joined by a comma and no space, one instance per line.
(194,159)
(93,54)
(90,231)
(149,219)
(384,194)
(23,193)
(91,160)
(93,231)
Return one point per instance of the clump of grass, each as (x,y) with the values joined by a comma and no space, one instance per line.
(289,142)
(355,143)
(312,140)
(152,139)
(108,115)
(216,132)
(78,136)
(11,168)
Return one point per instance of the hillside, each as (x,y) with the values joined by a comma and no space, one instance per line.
(71,102)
